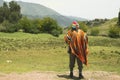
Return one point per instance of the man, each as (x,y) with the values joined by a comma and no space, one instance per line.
(77,49)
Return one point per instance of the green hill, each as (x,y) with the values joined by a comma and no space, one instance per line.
(104,28)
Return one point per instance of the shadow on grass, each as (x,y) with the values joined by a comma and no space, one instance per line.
(67,77)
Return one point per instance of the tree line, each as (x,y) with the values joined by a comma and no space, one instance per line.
(11,20)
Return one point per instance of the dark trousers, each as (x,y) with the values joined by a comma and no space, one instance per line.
(72,60)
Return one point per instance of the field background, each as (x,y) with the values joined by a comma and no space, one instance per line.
(23,52)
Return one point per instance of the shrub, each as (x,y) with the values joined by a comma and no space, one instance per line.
(50,26)
(28,25)
(8,27)
(94,31)
(55,33)
(114,32)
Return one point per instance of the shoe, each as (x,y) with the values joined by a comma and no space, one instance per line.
(81,76)
(71,75)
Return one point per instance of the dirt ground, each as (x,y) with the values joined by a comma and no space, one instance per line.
(89,75)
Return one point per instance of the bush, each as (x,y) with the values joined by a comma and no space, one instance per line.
(114,32)
(51,26)
(55,33)
(29,26)
(8,27)
(94,31)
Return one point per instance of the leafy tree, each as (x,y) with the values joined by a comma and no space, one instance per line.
(1,15)
(15,10)
(37,24)
(6,11)
(51,26)
(14,17)
(48,24)
(29,26)
(10,13)
(25,24)
(14,7)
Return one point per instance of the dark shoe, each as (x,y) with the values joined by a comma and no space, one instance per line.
(81,76)
(71,74)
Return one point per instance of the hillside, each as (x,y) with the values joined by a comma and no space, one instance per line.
(38,11)
(33,10)
(104,28)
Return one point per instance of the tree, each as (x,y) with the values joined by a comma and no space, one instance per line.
(15,10)
(14,7)
(6,11)
(1,15)
(119,18)
(48,24)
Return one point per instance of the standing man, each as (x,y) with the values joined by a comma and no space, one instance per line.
(77,41)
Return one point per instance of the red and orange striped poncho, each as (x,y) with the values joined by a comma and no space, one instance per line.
(78,42)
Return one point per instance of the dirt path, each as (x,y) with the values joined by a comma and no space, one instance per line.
(93,75)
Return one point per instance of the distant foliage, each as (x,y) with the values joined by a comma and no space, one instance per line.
(119,19)
(114,32)
(11,20)
(94,32)
(95,22)
(45,25)
(50,26)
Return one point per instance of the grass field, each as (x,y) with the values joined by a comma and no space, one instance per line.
(23,52)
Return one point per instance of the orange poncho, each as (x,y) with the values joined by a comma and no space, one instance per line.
(78,42)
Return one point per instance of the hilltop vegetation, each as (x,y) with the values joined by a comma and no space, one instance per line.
(108,28)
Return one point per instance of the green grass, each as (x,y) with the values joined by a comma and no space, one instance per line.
(43,52)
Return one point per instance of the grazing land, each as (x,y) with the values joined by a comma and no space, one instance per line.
(23,53)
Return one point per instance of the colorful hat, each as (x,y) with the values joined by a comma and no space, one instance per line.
(75,24)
